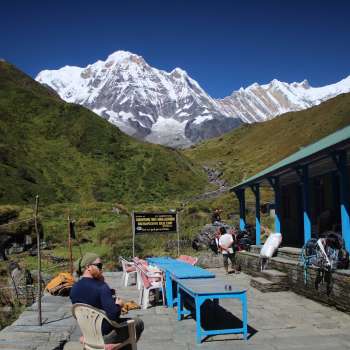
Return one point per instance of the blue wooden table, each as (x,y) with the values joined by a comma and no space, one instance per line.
(203,289)
(176,270)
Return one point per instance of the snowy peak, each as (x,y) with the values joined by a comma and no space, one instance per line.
(121,55)
(171,108)
(258,103)
(162,107)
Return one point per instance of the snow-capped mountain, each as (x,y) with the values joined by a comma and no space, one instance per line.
(171,108)
(151,104)
(258,103)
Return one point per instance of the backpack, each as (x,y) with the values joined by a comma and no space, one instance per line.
(242,241)
(335,248)
(309,250)
(343,259)
(28,277)
(309,256)
(213,246)
(327,254)
(60,284)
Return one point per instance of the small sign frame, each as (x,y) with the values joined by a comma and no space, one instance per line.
(159,222)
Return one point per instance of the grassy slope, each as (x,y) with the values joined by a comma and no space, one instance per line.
(251,148)
(65,153)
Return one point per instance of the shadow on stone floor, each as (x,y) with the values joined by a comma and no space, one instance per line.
(223,319)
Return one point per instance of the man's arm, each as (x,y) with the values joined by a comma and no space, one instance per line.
(226,247)
(112,309)
(223,247)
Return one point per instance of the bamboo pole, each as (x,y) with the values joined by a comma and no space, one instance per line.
(39,258)
(178,233)
(133,232)
(70,246)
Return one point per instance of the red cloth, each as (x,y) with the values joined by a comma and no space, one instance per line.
(130,269)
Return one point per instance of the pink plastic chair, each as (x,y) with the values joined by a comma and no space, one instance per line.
(188,259)
(142,263)
(150,281)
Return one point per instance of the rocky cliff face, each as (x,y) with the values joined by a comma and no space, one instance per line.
(259,103)
(171,108)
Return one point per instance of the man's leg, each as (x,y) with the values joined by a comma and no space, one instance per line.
(235,267)
(232,260)
(139,327)
(225,259)
(121,334)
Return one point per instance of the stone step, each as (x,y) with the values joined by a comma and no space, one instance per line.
(275,276)
(266,286)
(256,255)
(289,253)
(276,259)
(283,252)
(255,249)
(285,261)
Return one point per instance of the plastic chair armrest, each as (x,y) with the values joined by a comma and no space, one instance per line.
(116,324)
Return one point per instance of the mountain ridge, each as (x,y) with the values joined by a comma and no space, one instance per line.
(139,99)
(277,97)
(171,108)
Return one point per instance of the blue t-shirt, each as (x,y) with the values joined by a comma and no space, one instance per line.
(98,294)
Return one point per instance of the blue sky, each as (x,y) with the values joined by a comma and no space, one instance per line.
(222,44)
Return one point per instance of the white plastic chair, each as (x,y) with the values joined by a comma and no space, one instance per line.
(129,269)
(90,320)
(150,280)
(143,263)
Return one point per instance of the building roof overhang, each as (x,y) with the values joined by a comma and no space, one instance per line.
(317,156)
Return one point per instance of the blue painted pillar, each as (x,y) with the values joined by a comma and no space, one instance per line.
(241,198)
(340,159)
(306,202)
(275,183)
(256,190)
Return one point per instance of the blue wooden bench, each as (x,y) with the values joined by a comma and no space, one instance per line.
(177,270)
(202,290)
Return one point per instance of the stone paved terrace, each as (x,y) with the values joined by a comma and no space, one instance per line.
(282,320)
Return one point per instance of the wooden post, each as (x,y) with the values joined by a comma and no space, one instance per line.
(256,190)
(178,233)
(70,246)
(275,184)
(133,233)
(39,258)
(340,159)
(303,174)
(240,193)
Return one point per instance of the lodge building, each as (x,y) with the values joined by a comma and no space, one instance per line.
(311,190)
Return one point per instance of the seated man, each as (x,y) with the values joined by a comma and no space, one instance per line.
(216,218)
(92,290)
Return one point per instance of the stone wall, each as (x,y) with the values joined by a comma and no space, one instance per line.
(340,287)
(209,260)
(57,326)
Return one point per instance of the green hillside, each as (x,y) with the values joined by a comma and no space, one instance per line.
(65,153)
(251,148)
